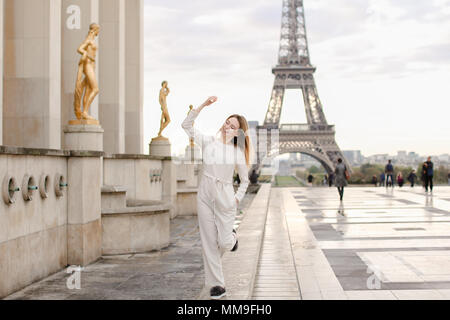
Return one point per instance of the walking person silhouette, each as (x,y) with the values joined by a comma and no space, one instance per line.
(340,178)
(389,170)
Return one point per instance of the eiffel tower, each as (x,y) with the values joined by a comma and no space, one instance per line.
(294,71)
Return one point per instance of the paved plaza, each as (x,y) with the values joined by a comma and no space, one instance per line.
(174,273)
(378,244)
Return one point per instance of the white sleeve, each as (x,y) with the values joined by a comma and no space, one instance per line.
(188,126)
(242,170)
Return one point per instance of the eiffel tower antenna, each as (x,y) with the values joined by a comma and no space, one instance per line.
(294,71)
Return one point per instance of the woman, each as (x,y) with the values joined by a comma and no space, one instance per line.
(86,66)
(216,201)
(340,179)
(400,179)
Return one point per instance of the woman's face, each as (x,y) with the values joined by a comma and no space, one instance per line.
(230,128)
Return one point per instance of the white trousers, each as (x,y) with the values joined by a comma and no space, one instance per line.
(216,206)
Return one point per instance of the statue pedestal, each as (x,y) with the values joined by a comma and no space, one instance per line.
(84,122)
(83,136)
(160,147)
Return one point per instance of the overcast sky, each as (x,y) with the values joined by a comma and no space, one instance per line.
(383,68)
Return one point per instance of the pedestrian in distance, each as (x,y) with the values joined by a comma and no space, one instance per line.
(310,178)
(382,179)
(341,174)
(325,180)
(400,179)
(374,180)
(217,202)
(331,180)
(389,171)
(412,177)
(428,172)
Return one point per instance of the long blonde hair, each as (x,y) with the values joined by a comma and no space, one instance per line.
(243,132)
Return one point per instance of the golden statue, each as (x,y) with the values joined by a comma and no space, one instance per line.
(165,118)
(87,85)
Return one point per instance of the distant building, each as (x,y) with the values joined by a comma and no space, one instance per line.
(284,168)
(253,124)
(444,157)
(402,156)
(293,157)
(413,157)
(378,158)
(353,156)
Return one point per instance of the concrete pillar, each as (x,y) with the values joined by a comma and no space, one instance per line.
(1,72)
(134,70)
(77,15)
(32,73)
(84,229)
(112,74)
(169,186)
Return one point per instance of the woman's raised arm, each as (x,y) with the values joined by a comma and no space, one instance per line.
(188,123)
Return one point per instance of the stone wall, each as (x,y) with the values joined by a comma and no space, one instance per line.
(141,176)
(33,234)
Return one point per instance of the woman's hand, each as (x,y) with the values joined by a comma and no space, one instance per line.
(210,101)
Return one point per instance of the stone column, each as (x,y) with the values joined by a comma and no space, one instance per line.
(112,74)
(169,186)
(1,72)
(84,230)
(77,15)
(32,73)
(134,105)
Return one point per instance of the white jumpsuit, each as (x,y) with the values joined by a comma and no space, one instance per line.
(216,200)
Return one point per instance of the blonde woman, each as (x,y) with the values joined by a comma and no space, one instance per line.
(216,200)
(87,85)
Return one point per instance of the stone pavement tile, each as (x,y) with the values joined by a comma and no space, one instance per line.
(328,283)
(370,295)
(308,284)
(289,281)
(312,295)
(418,295)
(445,293)
(175,272)
(276,293)
(351,271)
(333,295)
(276,298)
(263,286)
(275,286)
(353,283)
(41,293)
(276,276)
(271,289)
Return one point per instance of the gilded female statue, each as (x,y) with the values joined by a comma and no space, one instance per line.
(165,118)
(87,85)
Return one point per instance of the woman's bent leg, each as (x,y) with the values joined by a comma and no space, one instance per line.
(226,237)
(210,249)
